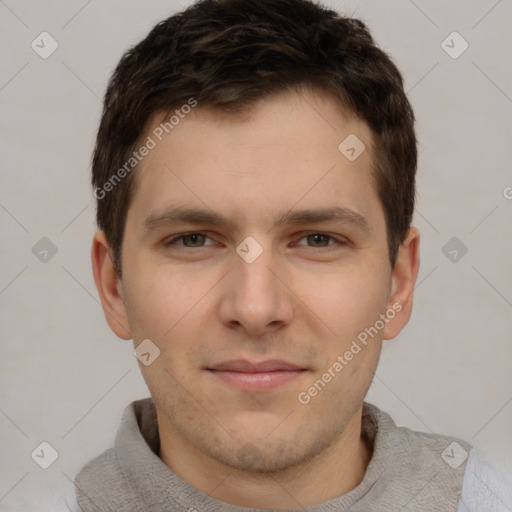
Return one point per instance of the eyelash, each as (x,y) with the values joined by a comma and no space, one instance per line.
(337,241)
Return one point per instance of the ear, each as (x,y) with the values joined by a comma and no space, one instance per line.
(403,279)
(110,287)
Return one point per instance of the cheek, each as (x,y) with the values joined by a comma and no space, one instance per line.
(162,298)
(347,300)
(170,308)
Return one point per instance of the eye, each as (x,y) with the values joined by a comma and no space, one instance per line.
(197,240)
(320,240)
(190,240)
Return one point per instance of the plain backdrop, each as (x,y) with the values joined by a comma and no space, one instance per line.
(64,376)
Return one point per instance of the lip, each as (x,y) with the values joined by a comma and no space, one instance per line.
(242,365)
(256,376)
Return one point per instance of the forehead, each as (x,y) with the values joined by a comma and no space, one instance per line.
(288,148)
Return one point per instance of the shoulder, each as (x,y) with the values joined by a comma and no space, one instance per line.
(99,467)
(99,477)
(485,488)
(418,449)
(423,471)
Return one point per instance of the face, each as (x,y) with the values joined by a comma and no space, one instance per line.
(255,258)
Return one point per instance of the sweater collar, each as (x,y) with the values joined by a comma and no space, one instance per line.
(137,446)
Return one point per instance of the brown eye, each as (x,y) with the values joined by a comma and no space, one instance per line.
(318,240)
(189,240)
(195,239)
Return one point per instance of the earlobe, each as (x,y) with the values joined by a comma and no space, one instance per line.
(403,280)
(109,286)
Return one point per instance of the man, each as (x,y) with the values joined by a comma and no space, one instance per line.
(255,176)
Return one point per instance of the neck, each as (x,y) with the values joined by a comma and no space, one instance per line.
(332,473)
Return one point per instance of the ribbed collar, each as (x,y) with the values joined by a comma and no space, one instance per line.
(137,446)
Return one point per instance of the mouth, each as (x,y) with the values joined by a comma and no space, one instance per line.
(256,376)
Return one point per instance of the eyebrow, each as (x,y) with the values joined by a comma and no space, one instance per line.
(186,215)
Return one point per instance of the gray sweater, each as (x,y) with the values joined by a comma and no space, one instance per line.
(409,471)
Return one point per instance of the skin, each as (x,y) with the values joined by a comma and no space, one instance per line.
(303,300)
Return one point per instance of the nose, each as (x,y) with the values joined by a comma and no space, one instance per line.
(255,297)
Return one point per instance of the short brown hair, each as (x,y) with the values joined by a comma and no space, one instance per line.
(226,54)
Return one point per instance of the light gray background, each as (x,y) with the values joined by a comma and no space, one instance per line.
(64,376)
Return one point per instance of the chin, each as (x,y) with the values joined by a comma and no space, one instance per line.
(255,458)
